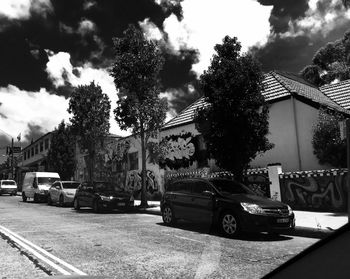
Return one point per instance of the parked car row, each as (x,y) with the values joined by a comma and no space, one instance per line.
(98,195)
(225,203)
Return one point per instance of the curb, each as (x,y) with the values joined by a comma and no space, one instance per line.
(311,232)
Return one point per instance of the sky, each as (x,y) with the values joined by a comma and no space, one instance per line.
(48,47)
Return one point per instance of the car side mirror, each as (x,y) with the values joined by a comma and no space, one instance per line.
(208,193)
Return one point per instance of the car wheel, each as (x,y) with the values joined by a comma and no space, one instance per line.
(24,197)
(49,200)
(168,216)
(96,207)
(61,201)
(229,224)
(76,204)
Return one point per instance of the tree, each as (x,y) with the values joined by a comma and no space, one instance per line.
(329,148)
(331,62)
(136,75)
(235,123)
(61,155)
(90,121)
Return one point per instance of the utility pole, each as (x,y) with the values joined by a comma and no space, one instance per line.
(348,163)
(13,177)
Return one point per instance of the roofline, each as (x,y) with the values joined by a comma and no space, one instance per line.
(32,143)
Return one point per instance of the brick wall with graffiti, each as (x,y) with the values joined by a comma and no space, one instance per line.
(323,190)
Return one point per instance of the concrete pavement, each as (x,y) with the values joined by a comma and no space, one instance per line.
(307,223)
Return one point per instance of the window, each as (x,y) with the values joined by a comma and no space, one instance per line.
(46,144)
(32,151)
(181,187)
(41,146)
(198,187)
(25,155)
(36,149)
(28,153)
(133,161)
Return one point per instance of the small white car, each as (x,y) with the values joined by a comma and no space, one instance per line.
(8,187)
(62,192)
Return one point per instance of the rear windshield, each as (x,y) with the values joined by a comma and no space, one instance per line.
(104,187)
(231,187)
(47,180)
(70,185)
(8,183)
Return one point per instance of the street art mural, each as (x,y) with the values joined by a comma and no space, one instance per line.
(133,184)
(323,193)
(180,152)
(259,183)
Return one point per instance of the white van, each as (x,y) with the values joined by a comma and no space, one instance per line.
(8,187)
(36,185)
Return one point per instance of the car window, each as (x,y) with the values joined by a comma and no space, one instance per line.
(47,180)
(8,182)
(103,187)
(70,185)
(231,187)
(181,187)
(198,187)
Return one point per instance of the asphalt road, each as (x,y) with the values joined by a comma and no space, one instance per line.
(132,245)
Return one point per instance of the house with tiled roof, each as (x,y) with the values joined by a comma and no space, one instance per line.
(294,106)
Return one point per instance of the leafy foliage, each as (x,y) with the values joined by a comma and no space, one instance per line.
(329,148)
(90,121)
(331,62)
(235,124)
(136,74)
(61,155)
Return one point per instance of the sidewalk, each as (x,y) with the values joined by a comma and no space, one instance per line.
(313,224)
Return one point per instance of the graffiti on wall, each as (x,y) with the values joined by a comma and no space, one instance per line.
(321,192)
(133,183)
(259,183)
(181,151)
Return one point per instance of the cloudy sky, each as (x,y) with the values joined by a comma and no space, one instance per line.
(47,47)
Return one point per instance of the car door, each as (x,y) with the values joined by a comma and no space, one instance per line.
(55,191)
(180,198)
(201,208)
(89,194)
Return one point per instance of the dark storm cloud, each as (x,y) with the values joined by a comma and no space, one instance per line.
(293,51)
(35,132)
(84,29)
(285,11)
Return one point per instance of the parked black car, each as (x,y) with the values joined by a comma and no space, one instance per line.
(102,196)
(226,203)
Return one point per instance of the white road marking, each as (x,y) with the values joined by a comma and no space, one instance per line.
(210,259)
(34,249)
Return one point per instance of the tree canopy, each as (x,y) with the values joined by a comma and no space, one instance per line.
(136,69)
(328,146)
(331,62)
(61,155)
(235,124)
(90,109)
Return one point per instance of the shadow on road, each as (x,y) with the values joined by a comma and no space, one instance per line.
(212,230)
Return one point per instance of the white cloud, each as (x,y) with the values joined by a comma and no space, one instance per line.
(37,108)
(15,9)
(20,9)
(59,64)
(205,24)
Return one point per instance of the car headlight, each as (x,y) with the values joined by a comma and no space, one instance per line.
(104,198)
(252,208)
(290,210)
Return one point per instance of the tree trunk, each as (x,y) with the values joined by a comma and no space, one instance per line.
(143,169)
(92,161)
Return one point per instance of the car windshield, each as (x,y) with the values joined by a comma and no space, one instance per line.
(47,180)
(70,185)
(104,187)
(231,187)
(8,183)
